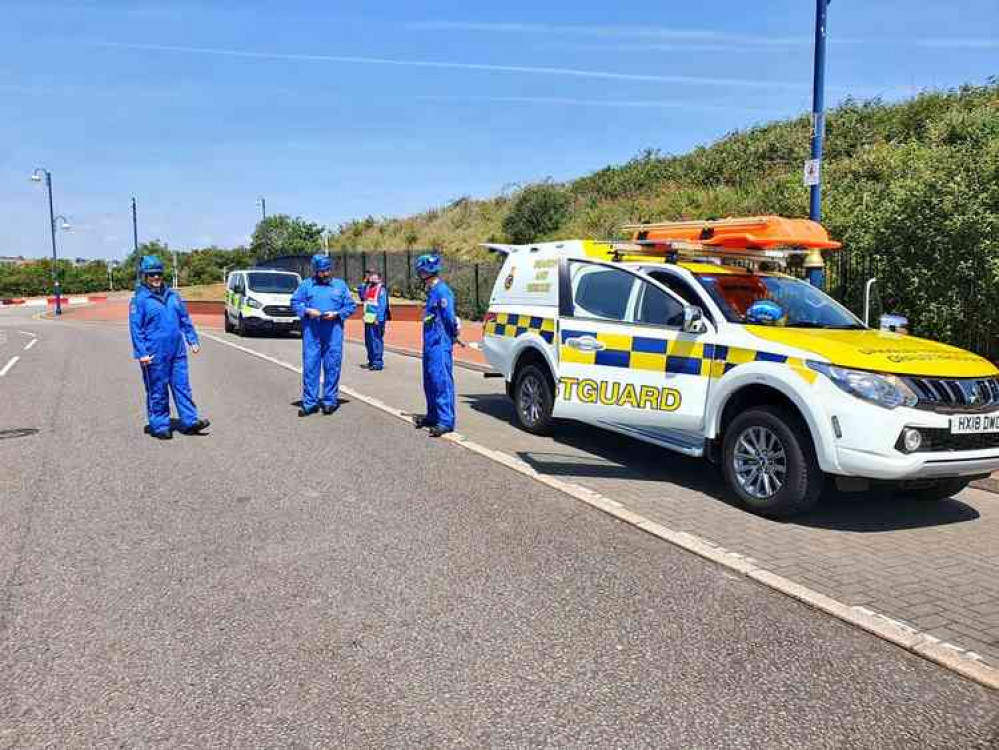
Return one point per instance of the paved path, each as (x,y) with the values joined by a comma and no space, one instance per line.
(348,582)
(932,566)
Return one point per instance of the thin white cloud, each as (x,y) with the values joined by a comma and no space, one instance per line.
(959,43)
(603,103)
(647,33)
(486,67)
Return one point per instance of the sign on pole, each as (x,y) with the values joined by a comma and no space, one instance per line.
(813,169)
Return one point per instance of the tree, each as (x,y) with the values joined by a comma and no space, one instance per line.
(537,210)
(282,235)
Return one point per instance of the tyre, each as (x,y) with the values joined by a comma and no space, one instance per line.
(227,324)
(768,462)
(941,490)
(533,399)
(240,327)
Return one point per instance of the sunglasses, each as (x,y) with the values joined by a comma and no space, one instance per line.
(154,275)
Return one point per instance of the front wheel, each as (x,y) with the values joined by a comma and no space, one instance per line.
(534,400)
(227,324)
(768,462)
(240,327)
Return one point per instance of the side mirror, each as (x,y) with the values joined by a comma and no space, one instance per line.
(894,323)
(693,320)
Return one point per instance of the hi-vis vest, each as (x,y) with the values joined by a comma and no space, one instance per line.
(371,293)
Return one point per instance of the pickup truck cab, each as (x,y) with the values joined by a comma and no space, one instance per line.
(701,349)
(260,300)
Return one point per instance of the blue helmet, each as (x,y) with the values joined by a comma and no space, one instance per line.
(150,264)
(766,312)
(429,263)
(321,263)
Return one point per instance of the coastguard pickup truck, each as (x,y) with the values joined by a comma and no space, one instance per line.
(690,337)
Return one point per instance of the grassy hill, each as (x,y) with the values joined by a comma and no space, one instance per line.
(912,189)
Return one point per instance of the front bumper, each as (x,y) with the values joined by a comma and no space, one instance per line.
(271,324)
(869,434)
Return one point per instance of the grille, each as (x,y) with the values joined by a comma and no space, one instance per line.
(964,395)
(279,311)
(938,441)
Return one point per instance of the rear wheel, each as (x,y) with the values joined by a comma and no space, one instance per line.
(768,462)
(942,490)
(533,399)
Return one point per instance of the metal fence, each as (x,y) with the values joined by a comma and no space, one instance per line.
(471,281)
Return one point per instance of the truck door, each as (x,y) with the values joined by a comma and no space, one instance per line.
(625,362)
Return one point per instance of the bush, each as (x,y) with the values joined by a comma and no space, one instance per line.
(537,211)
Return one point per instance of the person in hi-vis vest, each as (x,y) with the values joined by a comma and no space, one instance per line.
(375,307)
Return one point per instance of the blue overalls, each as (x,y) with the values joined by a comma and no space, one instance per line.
(160,326)
(375,314)
(440,329)
(322,340)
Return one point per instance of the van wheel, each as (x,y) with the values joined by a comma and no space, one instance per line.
(942,490)
(768,463)
(533,400)
(227,324)
(240,327)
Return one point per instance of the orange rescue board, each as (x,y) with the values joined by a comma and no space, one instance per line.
(754,232)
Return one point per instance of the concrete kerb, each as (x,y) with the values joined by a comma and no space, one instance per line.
(944,654)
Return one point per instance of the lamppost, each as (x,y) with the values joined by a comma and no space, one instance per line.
(262,202)
(135,241)
(37,176)
(814,263)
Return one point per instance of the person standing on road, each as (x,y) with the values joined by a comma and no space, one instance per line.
(323,303)
(161,332)
(374,301)
(441,329)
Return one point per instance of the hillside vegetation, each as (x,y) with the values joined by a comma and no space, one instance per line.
(912,189)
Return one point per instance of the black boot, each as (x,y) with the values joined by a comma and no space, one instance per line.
(303,412)
(196,428)
(328,409)
(437,431)
(162,435)
(420,422)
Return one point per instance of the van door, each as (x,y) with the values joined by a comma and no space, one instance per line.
(625,362)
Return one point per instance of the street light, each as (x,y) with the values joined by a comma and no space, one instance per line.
(37,176)
(262,202)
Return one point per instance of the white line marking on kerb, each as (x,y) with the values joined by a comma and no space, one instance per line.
(27,333)
(30,344)
(6,369)
(946,655)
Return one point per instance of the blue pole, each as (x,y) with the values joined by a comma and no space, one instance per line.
(816,274)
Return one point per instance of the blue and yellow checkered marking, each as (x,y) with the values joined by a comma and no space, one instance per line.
(678,356)
(513,325)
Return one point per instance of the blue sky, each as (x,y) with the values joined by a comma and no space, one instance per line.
(334,110)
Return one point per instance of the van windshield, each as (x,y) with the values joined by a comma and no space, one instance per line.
(273,283)
(804,305)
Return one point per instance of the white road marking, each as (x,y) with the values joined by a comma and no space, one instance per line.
(6,369)
(965,663)
(30,344)
(28,333)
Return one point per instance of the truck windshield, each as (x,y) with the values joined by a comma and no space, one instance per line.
(273,283)
(804,305)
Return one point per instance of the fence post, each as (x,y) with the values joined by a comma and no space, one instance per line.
(346,271)
(478,303)
(409,273)
(384,267)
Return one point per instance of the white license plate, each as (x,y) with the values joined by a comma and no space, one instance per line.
(969,424)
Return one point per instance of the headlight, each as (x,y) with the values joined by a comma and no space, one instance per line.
(253,303)
(883,390)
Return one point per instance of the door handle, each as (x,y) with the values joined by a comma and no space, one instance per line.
(585,344)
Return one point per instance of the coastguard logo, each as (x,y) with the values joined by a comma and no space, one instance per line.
(614,393)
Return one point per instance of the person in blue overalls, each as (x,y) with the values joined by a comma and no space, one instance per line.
(324,304)
(374,304)
(441,329)
(161,332)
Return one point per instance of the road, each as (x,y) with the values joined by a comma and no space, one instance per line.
(345,581)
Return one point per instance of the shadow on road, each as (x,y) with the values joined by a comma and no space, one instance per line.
(615,456)
(17,432)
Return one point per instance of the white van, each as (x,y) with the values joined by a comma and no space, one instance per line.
(259,299)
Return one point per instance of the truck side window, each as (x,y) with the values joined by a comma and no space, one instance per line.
(655,307)
(601,292)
